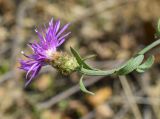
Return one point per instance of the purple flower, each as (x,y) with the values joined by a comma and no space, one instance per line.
(50,38)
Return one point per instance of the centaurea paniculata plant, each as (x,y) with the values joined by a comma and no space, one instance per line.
(45,53)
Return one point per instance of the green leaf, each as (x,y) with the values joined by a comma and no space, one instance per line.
(76,55)
(131,65)
(96,72)
(79,59)
(158,27)
(89,57)
(83,88)
(140,70)
(147,64)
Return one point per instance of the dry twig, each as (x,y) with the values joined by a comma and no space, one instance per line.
(131,101)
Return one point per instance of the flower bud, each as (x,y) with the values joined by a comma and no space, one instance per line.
(64,63)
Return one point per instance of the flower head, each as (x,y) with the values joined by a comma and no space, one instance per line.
(44,51)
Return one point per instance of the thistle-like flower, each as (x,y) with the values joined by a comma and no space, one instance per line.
(45,51)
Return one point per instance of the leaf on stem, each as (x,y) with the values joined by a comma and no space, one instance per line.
(158,27)
(89,57)
(83,88)
(146,65)
(79,59)
(131,65)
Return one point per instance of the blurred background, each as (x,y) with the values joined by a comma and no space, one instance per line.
(114,30)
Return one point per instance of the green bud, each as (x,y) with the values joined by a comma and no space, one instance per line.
(64,63)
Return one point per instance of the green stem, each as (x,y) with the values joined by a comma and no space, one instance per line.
(96,72)
(149,47)
(126,68)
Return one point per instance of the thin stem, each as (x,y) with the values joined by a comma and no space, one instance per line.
(128,67)
(96,72)
(149,47)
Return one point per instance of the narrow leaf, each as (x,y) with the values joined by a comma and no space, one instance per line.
(140,70)
(131,65)
(158,27)
(79,59)
(89,57)
(83,88)
(148,63)
(76,55)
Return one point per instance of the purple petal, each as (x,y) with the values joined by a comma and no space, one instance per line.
(57,26)
(34,74)
(65,35)
(60,43)
(32,68)
(62,30)
(51,22)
